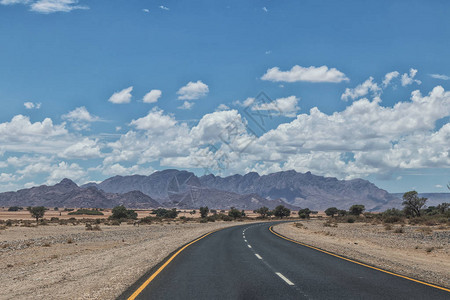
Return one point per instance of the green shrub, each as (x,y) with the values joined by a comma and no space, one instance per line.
(165,213)
(15,208)
(351,220)
(356,209)
(120,212)
(234,213)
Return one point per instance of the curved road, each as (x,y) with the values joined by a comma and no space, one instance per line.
(250,262)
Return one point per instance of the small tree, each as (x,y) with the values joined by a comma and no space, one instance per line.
(304,213)
(331,211)
(234,213)
(412,203)
(204,211)
(120,212)
(357,209)
(37,212)
(342,212)
(262,211)
(281,211)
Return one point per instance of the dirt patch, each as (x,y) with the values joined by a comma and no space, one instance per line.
(57,262)
(408,250)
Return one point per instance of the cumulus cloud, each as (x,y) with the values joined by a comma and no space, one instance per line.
(440,76)
(152,96)
(22,136)
(287,107)
(80,118)
(309,74)
(52,6)
(84,149)
(408,79)
(146,10)
(193,90)
(31,105)
(265,9)
(120,97)
(388,77)
(222,107)
(80,114)
(163,7)
(361,90)
(65,170)
(155,121)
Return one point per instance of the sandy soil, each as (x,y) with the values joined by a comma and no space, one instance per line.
(66,261)
(25,215)
(416,252)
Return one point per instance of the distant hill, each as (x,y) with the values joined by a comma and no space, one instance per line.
(68,194)
(183,189)
(289,187)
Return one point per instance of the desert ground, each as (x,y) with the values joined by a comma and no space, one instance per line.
(66,261)
(61,214)
(421,252)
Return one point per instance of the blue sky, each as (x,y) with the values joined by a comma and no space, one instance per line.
(351,89)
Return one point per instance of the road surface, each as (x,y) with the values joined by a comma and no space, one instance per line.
(250,262)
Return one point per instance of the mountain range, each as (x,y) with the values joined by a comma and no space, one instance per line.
(183,189)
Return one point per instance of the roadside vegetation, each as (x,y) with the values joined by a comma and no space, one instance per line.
(414,212)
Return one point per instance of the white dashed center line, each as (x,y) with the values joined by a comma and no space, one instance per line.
(284,278)
(249,246)
(258,256)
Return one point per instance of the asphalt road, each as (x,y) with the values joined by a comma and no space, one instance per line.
(250,262)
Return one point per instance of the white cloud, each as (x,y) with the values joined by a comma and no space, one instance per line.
(84,149)
(438,186)
(146,10)
(123,96)
(265,9)
(193,90)
(118,169)
(222,107)
(408,79)
(379,140)
(186,105)
(155,121)
(20,135)
(152,96)
(31,105)
(163,7)
(80,114)
(268,52)
(246,103)
(361,90)
(310,74)
(80,118)
(52,6)
(65,170)
(12,2)
(440,76)
(388,77)
(287,107)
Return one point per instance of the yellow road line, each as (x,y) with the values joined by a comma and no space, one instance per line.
(357,262)
(144,285)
